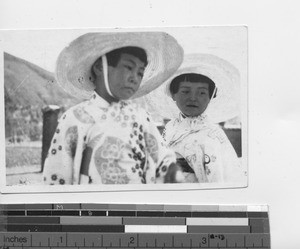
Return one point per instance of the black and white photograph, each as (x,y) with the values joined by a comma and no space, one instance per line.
(124,109)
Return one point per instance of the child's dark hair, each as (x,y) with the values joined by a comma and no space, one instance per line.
(193,77)
(114,55)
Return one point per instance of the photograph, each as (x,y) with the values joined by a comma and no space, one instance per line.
(124,109)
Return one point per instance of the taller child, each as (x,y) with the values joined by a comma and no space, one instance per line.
(106,139)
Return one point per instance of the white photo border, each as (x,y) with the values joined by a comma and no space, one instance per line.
(241,64)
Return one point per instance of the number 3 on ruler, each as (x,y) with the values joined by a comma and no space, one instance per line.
(204,240)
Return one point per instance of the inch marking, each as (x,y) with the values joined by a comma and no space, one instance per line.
(208,240)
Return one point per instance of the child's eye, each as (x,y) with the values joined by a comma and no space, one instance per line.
(203,93)
(141,75)
(128,67)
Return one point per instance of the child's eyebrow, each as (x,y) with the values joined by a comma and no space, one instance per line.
(133,62)
(202,87)
(188,87)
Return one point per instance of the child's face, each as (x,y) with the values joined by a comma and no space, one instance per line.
(125,78)
(192,98)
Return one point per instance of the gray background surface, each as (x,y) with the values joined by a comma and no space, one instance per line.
(274,106)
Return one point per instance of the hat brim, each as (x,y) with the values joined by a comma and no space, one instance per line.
(73,66)
(224,106)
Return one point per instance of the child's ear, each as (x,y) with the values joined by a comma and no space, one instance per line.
(173,97)
(97,68)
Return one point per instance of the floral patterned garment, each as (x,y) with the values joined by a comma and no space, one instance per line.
(206,148)
(101,143)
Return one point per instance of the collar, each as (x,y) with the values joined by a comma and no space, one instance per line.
(97,100)
(196,119)
(184,126)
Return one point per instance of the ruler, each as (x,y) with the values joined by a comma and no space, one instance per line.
(114,226)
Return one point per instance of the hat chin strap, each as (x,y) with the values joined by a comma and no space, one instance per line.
(212,96)
(105,75)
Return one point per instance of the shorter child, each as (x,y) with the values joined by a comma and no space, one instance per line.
(200,90)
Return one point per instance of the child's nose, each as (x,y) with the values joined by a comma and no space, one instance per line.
(193,95)
(134,78)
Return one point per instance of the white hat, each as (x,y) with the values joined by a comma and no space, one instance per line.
(226,77)
(73,66)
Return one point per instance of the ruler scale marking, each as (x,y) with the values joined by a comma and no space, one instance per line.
(114,226)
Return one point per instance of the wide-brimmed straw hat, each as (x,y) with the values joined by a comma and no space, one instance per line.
(224,106)
(73,66)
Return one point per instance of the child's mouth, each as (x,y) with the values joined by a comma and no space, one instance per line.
(129,89)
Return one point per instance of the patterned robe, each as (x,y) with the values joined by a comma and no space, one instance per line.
(101,143)
(206,148)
